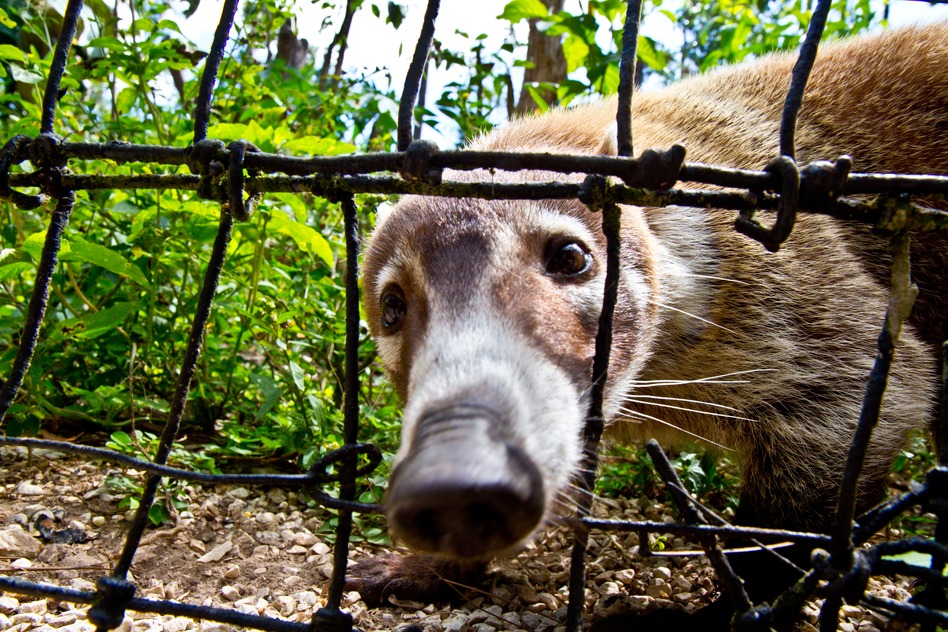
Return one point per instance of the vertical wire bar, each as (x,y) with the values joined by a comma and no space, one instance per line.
(902,296)
(933,596)
(39,299)
(799,77)
(406,108)
(592,432)
(630,43)
(942,421)
(202,113)
(193,350)
(350,404)
(58,66)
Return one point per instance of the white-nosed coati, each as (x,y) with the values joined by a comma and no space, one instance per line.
(485,312)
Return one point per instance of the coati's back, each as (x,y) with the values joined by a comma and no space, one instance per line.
(881,99)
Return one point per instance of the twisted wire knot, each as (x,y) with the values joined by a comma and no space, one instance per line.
(15,152)
(112,596)
(773,237)
(416,164)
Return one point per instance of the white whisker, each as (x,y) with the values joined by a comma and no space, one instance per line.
(689,410)
(696,317)
(641,415)
(682,399)
(711,379)
(705,276)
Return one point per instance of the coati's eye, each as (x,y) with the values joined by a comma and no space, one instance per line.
(393,307)
(568,259)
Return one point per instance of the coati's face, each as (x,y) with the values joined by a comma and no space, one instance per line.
(485,316)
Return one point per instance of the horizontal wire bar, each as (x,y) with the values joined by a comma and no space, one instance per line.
(157,606)
(309,480)
(862,210)
(857,183)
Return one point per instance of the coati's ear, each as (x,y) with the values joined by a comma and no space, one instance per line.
(610,141)
(383,212)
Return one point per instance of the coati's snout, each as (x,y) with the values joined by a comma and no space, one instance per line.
(462,491)
(485,315)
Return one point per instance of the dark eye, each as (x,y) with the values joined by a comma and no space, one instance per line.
(569,259)
(393,307)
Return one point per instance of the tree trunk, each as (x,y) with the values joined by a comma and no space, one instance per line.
(342,41)
(549,64)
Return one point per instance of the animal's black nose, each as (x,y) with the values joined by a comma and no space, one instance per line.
(462,491)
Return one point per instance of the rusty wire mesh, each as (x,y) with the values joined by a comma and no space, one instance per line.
(231,175)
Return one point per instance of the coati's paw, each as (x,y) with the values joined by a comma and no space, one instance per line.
(412,577)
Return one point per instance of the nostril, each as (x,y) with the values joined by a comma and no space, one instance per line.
(462,492)
(463,520)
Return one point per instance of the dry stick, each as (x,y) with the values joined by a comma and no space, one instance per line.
(50,170)
(58,66)
(202,113)
(733,585)
(38,301)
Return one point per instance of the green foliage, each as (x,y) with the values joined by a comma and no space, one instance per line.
(912,464)
(172,494)
(727,31)
(629,472)
(269,379)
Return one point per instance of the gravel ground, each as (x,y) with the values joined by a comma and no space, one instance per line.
(262,552)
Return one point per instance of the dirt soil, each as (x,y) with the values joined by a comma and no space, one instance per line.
(260,551)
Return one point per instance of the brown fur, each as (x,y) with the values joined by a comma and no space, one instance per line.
(802,322)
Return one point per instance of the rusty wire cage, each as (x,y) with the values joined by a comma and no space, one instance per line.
(232,176)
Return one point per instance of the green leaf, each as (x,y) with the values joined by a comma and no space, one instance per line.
(538,99)
(609,84)
(120,439)
(396,14)
(126,99)
(14,270)
(143,24)
(6,21)
(101,256)
(169,25)
(108,43)
(517,10)
(296,372)
(318,146)
(12,53)
(307,239)
(158,514)
(914,558)
(654,58)
(106,320)
(251,132)
(575,50)
(26,75)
